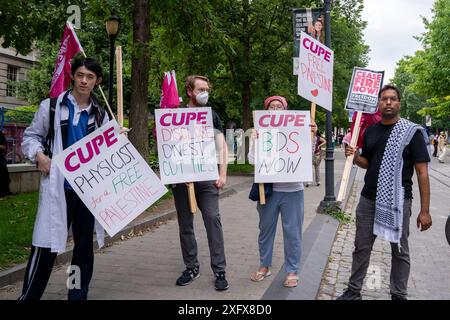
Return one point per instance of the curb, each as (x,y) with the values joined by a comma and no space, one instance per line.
(16,273)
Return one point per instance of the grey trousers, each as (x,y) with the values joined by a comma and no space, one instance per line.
(364,239)
(207,196)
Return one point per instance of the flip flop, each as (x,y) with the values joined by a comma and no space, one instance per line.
(290,282)
(260,276)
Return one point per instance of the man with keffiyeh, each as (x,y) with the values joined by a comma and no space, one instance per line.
(391,150)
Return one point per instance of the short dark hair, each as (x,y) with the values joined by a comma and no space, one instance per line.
(390,87)
(90,63)
(190,82)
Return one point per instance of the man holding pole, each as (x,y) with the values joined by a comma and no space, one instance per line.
(391,150)
(59,123)
(207,197)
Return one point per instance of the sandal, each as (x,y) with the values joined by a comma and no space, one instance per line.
(291,281)
(260,276)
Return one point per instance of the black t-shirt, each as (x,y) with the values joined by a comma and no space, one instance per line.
(374,143)
(217,123)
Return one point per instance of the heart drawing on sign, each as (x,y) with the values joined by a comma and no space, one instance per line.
(315,92)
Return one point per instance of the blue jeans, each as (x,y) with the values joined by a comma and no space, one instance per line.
(291,207)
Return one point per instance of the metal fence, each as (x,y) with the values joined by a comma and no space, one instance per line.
(13,123)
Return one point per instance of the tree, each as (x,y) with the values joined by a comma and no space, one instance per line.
(425,77)
(139,77)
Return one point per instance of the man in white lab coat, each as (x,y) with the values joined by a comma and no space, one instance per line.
(76,114)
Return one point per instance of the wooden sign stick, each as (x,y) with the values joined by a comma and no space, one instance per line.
(313,118)
(192,200)
(119,86)
(262,195)
(349,161)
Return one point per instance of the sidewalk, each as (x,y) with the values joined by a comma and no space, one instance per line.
(146,266)
(429,251)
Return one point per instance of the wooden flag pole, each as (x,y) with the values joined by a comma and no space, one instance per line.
(119,85)
(192,200)
(349,160)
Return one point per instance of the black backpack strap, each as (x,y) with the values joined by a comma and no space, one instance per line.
(51,128)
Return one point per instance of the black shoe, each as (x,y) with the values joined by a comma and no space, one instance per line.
(188,275)
(350,295)
(221,283)
(397,297)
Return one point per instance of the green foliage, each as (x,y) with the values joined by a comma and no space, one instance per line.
(244,47)
(338,214)
(425,77)
(241,168)
(16,227)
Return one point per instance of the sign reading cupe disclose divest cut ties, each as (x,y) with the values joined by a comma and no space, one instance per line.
(283,148)
(315,75)
(364,88)
(110,177)
(186,145)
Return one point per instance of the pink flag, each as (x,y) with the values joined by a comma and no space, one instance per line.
(367,120)
(70,46)
(169,91)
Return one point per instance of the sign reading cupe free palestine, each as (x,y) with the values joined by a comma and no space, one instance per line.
(315,74)
(363,91)
(186,145)
(283,148)
(110,177)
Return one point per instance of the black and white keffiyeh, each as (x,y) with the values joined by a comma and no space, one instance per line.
(390,192)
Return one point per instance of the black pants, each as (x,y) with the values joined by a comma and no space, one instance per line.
(4,177)
(207,196)
(40,263)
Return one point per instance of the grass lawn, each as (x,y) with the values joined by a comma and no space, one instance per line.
(17,215)
(241,168)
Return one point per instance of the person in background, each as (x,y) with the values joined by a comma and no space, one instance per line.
(4,174)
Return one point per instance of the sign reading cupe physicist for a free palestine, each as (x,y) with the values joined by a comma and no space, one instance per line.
(364,88)
(283,148)
(110,177)
(315,74)
(186,145)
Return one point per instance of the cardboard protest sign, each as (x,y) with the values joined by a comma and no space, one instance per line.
(309,20)
(315,76)
(186,145)
(363,91)
(110,177)
(283,148)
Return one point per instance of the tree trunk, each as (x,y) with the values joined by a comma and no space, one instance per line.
(246,105)
(139,77)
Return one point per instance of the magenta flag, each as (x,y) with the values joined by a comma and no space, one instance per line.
(367,120)
(69,47)
(169,91)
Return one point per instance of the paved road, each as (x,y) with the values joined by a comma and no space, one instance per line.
(430,252)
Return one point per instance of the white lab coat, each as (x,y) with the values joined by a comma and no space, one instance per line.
(50,228)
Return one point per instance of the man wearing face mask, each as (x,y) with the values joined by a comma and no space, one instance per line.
(207,196)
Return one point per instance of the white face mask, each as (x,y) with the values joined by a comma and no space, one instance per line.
(202,98)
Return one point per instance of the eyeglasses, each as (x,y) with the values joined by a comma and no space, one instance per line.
(200,90)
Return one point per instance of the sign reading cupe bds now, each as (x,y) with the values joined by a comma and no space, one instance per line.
(283,148)
(110,177)
(186,145)
(315,74)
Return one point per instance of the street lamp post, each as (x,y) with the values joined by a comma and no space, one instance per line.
(330,199)
(112,28)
